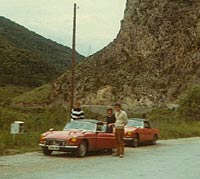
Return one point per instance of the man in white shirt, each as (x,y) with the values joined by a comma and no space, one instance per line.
(121,121)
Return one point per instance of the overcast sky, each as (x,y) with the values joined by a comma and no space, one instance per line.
(98,21)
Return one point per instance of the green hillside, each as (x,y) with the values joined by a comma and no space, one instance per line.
(46,49)
(22,68)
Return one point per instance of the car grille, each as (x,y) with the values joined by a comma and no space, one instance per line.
(56,142)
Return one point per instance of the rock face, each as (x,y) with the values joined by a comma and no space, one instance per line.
(155,56)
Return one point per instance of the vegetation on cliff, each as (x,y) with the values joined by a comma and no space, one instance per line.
(154,58)
(190,103)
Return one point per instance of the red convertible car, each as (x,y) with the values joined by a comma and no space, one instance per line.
(79,137)
(139,131)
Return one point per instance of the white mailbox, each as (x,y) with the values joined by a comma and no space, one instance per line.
(17,127)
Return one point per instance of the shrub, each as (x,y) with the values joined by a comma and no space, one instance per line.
(190,104)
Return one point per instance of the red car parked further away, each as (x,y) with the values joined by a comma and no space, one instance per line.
(79,137)
(139,131)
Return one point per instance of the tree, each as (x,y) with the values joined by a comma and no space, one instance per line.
(190,103)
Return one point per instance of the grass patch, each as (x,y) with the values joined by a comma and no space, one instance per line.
(36,122)
(38,95)
(8,92)
(173,125)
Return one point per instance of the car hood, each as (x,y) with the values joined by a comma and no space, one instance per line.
(63,135)
(130,129)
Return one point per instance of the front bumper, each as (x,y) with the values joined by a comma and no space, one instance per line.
(128,140)
(67,148)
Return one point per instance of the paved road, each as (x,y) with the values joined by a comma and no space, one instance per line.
(171,159)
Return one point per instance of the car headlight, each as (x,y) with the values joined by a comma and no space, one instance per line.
(73,139)
(42,138)
(129,134)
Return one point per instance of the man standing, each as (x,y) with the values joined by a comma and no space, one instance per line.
(77,113)
(121,121)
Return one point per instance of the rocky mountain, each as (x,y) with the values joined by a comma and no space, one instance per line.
(154,58)
(56,56)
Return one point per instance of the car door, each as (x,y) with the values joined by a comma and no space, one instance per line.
(105,140)
(148,131)
(142,133)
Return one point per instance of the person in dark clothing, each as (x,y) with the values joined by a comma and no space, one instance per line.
(77,113)
(110,120)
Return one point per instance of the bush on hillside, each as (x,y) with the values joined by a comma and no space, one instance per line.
(190,104)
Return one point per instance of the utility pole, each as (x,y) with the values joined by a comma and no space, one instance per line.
(89,50)
(73,60)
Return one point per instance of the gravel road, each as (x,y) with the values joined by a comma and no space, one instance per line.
(170,159)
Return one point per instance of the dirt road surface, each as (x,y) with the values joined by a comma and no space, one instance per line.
(170,159)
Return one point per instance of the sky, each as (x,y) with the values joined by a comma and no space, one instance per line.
(98,21)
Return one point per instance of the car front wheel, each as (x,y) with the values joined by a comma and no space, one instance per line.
(46,151)
(82,149)
(135,142)
(155,138)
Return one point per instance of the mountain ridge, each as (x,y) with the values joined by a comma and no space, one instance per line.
(153,59)
(27,58)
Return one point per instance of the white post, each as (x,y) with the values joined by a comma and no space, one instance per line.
(14,136)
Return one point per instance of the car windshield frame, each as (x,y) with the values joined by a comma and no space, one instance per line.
(80,125)
(135,123)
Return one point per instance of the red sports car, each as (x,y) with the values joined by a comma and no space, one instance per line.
(79,136)
(139,131)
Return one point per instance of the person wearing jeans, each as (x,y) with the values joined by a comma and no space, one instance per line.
(121,121)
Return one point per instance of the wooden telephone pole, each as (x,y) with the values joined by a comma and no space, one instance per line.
(73,60)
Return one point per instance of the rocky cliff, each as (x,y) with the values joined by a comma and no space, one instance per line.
(155,56)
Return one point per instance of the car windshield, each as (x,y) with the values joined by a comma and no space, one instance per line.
(80,125)
(135,123)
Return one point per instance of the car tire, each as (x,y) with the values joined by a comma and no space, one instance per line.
(82,149)
(136,141)
(47,152)
(110,150)
(155,138)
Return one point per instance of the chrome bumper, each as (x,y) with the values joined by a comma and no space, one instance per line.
(128,139)
(61,147)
